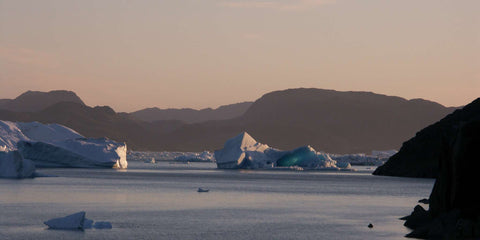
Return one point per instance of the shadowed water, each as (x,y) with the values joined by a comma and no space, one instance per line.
(160,201)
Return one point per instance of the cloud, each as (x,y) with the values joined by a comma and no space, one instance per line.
(281,5)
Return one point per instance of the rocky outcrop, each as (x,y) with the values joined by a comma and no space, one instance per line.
(454,211)
(420,156)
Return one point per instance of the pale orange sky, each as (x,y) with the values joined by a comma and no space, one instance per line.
(205,53)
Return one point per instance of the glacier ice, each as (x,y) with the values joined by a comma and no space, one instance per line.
(12,165)
(243,151)
(54,145)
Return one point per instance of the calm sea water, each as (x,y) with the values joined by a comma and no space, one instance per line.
(161,201)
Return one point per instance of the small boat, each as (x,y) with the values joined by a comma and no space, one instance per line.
(202,190)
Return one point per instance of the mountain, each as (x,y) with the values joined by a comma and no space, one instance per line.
(95,122)
(420,156)
(32,101)
(328,120)
(189,115)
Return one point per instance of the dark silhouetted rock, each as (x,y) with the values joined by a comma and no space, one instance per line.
(420,156)
(454,211)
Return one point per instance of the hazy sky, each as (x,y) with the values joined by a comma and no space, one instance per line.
(206,53)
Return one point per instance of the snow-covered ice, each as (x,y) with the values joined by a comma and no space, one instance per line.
(12,165)
(54,145)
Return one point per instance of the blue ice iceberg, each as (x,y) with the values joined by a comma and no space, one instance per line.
(243,151)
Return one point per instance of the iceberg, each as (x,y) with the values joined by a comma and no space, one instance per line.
(71,222)
(54,145)
(12,165)
(243,151)
(76,221)
(102,225)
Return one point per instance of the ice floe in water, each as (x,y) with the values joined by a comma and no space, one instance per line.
(54,145)
(71,222)
(76,221)
(243,151)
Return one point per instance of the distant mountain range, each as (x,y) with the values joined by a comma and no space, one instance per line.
(328,120)
(33,101)
(189,115)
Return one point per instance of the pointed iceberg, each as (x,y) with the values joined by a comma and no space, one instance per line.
(71,222)
(243,151)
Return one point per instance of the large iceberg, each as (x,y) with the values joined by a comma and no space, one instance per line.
(12,165)
(53,145)
(243,151)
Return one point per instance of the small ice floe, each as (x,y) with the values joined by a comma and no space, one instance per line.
(71,222)
(203,190)
(102,225)
(76,221)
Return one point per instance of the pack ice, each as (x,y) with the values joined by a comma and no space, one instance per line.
(54,145)
(243,151)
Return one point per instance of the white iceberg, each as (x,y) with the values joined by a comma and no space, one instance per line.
(12,165)
(243,151)
(74,221)
(53,145)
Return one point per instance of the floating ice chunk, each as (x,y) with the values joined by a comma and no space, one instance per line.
(12,165)
(71,222)
(53,145)
(102,225)
(88,223)
(243,151)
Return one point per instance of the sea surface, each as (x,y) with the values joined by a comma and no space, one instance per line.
(160,201)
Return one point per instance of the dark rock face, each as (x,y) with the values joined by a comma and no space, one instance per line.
(420,156)
(454,211)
